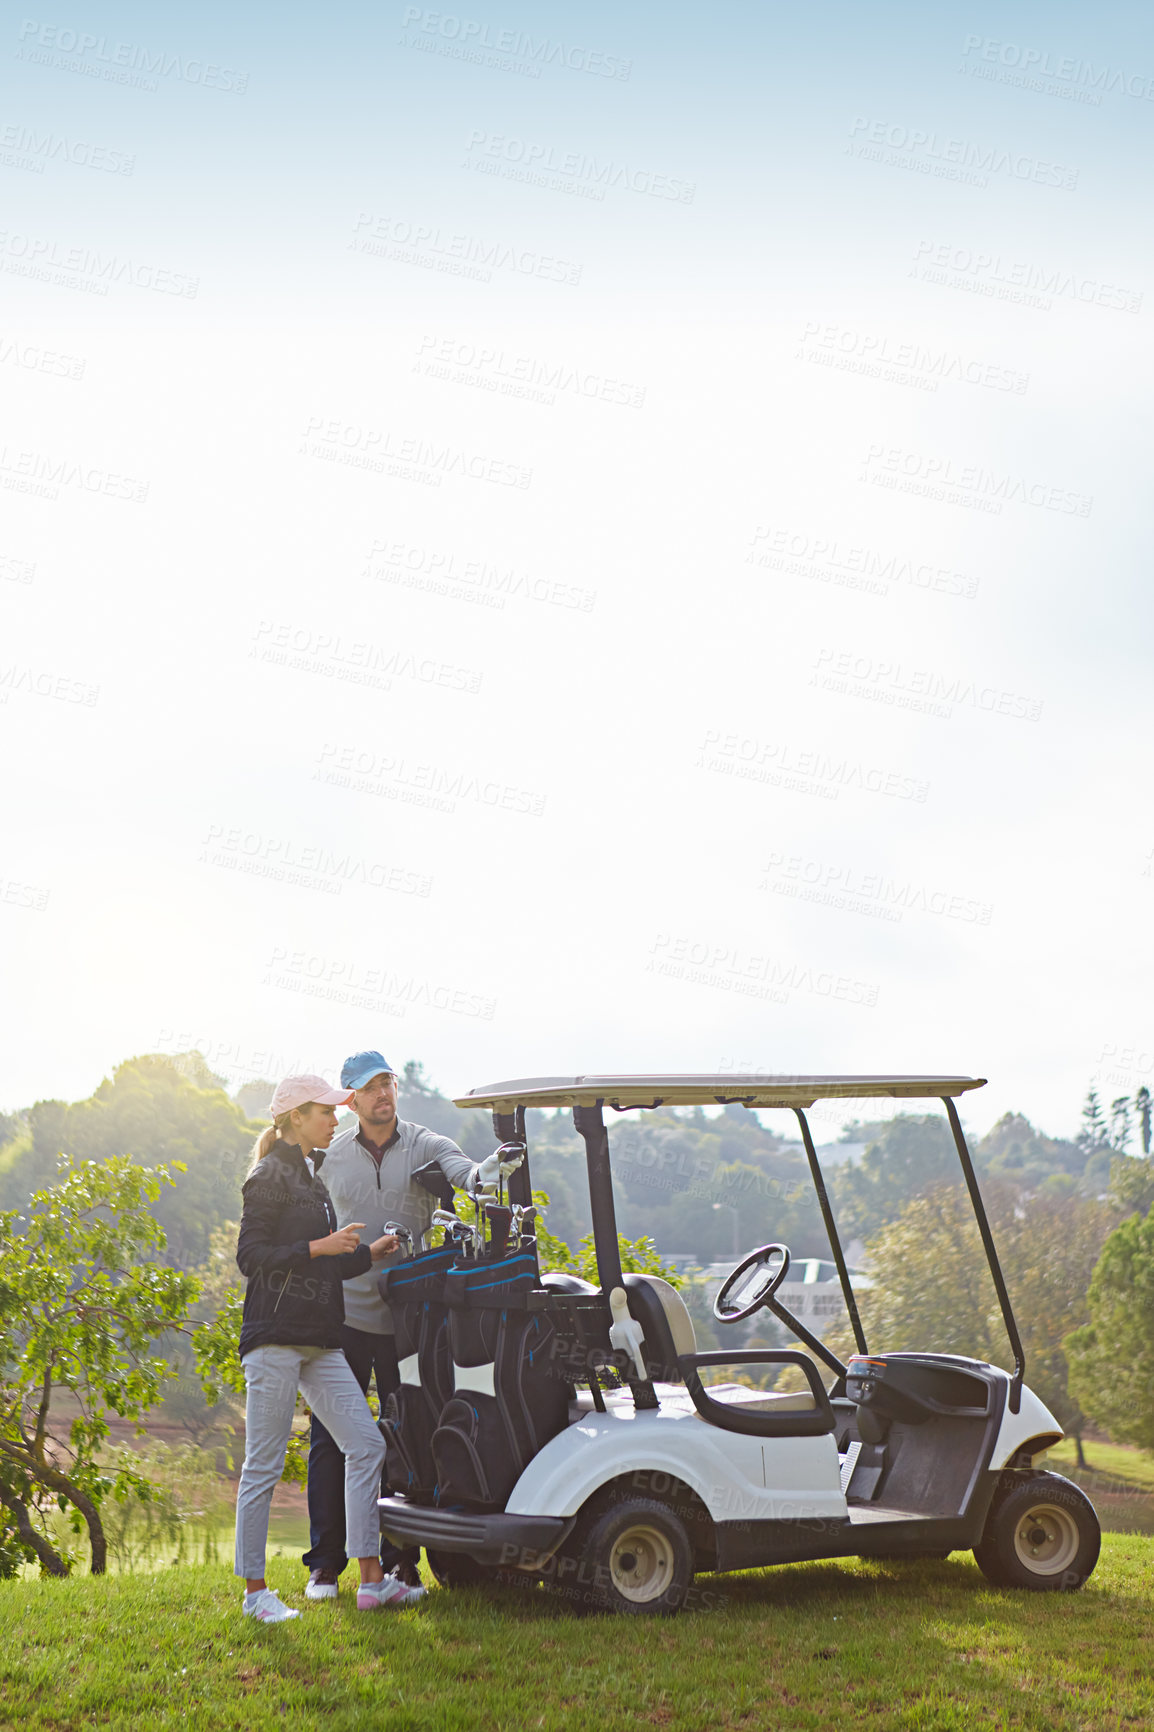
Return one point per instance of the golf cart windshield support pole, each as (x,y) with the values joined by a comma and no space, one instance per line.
(831,1232)
(589,1123)
(991,1254)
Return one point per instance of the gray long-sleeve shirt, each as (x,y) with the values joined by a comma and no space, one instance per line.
(361,1191)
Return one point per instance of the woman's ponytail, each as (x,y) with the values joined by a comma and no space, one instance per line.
(267,1139)
(264,1142)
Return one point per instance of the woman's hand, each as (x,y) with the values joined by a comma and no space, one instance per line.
(384,1246)
(337,1244)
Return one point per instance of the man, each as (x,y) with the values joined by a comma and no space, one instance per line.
(368,1171)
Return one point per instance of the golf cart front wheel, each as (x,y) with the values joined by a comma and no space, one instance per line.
(1041,1533)
(633,1557)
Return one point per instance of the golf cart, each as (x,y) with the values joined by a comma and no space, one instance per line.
(549,1428)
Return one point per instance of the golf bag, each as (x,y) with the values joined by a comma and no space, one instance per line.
(509,1398)
(409,1414)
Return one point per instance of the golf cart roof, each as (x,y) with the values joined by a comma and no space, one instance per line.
(701,1089)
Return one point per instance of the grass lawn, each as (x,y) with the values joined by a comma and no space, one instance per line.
(1113,1461)
(918,1646)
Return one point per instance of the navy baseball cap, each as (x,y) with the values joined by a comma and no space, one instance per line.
(362,1068)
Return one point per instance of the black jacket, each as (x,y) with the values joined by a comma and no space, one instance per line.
(292,1299)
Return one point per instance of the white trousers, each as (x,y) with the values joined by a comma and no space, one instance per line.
(273,1376)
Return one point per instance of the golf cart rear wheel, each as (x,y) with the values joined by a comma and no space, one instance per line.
(633,1557)
(459,1570)
(1041,1533)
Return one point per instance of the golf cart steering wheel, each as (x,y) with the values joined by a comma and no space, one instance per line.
(753,1282)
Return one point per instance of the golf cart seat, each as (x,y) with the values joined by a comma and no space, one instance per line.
(665,1323)
(556,1281)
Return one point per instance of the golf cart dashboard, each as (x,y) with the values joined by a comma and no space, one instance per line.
(914,1387)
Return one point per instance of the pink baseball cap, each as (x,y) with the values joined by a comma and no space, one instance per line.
(294,1091)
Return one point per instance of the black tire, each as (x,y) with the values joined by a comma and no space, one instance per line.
(459,1570)
(632,1556)
(1041,1533)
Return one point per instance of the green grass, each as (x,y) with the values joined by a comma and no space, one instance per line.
(924,1647)
(1107,1461)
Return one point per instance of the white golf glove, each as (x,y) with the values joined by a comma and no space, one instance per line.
(494,1169)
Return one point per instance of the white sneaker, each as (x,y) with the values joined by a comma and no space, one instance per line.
(375,1596)
(322,1585)
(267,1606)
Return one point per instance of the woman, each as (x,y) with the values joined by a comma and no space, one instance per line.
(295,1258)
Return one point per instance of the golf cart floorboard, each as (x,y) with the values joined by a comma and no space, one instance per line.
(860,1514)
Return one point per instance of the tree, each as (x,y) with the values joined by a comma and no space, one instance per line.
(933,1290)
(82,1309)
(152,1111)
(1132,1184)
(909,1155)
(1012,1149)
(1120,1127)
(1112,1355)
(1142,1108)
(185,1402)
(1094,1133)
(253,1099)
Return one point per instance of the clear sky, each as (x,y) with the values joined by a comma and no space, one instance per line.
(556,538)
